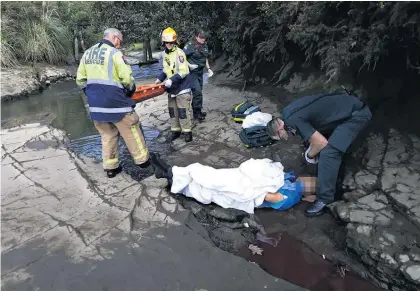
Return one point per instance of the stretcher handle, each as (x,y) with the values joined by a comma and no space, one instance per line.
(149,86)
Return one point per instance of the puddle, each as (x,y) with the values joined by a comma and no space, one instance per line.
(90,146)
(292,261)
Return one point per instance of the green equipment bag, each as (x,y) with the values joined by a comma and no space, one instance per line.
(242,110)
(255,137)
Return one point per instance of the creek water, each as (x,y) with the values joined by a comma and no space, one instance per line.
(290,260)
(65,101)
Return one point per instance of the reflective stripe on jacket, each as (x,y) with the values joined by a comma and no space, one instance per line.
(175,67)
(103,75)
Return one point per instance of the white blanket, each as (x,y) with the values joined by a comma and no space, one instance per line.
(241,188)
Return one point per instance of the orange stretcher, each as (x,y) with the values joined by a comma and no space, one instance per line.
(145,92)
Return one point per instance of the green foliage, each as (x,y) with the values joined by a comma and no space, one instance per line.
(333,34)
(8,58)
(330,35)
(42,31)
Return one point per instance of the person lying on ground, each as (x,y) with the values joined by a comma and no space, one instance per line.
(341,117)
(254,184)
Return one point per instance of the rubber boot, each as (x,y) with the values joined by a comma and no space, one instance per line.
(114,172)
(188,136)
(175,135)
(198,115)
(145,164)
(161,168)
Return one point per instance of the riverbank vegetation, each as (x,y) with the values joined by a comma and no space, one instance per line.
(265,40)
(51,32)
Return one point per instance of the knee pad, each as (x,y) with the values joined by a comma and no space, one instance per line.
(171,112)
(182,113)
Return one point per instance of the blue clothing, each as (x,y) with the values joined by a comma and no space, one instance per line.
(293,191)
(105,77)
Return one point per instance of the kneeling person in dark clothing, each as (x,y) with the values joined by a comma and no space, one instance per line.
(341,117)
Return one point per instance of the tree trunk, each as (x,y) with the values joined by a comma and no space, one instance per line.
(149,49)
(144,50)
(76,47)
(82,42)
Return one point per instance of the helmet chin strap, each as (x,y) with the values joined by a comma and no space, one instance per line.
(169,50)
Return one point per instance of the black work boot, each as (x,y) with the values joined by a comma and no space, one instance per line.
(188,136)
(175,135)
(145,164)
(317,208)
(112,173)
(198,114)
(161,168)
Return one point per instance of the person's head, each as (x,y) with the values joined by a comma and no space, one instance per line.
(200,36)
(115,36)
(276,129)
(169,37)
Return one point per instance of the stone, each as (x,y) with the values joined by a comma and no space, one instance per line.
(354,195)
(372,201)
(364,229)
(403,258)
(169,204)
(384,218)
(365,180)
(413,273)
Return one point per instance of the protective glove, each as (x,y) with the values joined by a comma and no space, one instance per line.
(193,66)
(131,90)
(210,73)
(309,160)
(168,83)
(158,81)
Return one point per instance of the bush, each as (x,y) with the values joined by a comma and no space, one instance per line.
(43,31)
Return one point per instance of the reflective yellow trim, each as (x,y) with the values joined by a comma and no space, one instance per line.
(187,130)
(143,151)
(237,106)
(111,161)
(238,119)
(178,129)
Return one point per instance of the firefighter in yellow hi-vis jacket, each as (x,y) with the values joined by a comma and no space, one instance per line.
(178,85)
(108,84)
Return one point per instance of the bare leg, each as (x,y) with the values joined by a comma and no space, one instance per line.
(309,188)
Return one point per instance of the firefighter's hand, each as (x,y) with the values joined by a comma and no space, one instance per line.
(158,81)
(193,66)
(131,90)
(210,73)
(168,83)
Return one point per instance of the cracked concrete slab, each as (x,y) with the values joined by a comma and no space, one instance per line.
(382,210)
(65,226)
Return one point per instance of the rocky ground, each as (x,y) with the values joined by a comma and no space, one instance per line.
(86,224)
(65,226)
(382,209)
(28,80)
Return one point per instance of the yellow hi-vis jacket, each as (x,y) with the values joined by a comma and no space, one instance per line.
(104,76)
(175,67)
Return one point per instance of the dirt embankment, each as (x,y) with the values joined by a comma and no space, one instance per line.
(27,80)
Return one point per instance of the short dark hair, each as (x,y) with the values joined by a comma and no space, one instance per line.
(201,33)
(270,128)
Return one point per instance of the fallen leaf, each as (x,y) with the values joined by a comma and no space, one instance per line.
(255,249)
